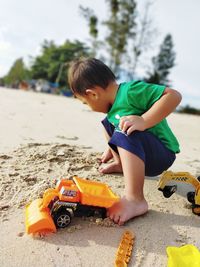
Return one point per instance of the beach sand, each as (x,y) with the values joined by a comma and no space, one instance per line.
(44,138)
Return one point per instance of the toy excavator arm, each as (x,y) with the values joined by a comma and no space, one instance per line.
(183,177)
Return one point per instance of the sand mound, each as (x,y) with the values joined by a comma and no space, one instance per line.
(26,172)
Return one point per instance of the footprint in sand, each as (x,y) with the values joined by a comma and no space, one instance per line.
(4,156)
(74,138)
(79,168)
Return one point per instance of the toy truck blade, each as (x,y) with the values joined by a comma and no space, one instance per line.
(37,220)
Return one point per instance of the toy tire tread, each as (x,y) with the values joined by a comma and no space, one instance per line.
(62,219)
(190,197)
(196,209)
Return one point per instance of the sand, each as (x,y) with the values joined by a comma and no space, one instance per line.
(44,138)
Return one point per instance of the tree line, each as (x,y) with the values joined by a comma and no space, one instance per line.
(129,35)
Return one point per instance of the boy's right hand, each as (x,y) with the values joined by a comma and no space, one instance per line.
(132,123)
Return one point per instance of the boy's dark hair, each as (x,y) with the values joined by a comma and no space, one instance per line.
(86,73)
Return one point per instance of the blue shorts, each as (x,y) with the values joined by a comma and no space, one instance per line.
(157,158)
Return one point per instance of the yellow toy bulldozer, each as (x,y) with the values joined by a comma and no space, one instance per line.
(77,197)
(182,177)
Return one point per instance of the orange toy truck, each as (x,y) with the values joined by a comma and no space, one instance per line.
(77,197)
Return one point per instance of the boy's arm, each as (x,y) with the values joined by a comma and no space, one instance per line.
(160,109)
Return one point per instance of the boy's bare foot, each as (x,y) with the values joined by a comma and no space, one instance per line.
(107,155)
(124,210)
(113,167)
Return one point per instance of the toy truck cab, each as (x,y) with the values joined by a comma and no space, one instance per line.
(63,207)
(68,191)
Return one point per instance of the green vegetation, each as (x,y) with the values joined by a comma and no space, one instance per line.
(163,62)
(17,73)
(189,110)
(129,34)
(51,65)
(92,22)
(55,58)
(121,25)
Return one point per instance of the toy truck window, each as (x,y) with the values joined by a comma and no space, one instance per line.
(68,193)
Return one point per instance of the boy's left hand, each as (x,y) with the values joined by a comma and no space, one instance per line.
(132,123)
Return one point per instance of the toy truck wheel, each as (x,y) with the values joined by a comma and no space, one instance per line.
(62,219)
(196,210)
(190,197)
(198,178)
(103,213)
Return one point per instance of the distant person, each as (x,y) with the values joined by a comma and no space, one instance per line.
(139,138)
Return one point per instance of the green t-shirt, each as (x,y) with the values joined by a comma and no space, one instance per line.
(135,98)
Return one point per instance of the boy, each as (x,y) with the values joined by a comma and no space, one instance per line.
(140,140)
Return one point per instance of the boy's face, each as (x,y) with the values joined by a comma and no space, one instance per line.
(94,99)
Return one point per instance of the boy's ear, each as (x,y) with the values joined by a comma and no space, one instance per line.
(91,93)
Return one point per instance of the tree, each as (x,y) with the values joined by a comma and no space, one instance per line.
(121,26)
(130,34)
(17,73)
(145,34)
(92,21)
(53,57)
(163,62)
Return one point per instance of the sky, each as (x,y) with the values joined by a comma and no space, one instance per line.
(25,24)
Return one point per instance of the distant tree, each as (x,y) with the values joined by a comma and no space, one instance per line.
(163,62)
(54,58)
(17,73)
(92,21)
(129,34)
(121,25)
(189,110)
(2,82)
(144,37)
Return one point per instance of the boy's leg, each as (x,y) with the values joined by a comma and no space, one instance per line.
(133,203)
(114,166)
(147,147)
(107,155)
